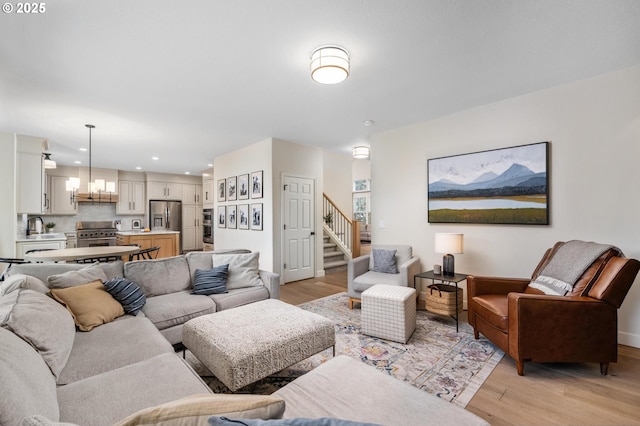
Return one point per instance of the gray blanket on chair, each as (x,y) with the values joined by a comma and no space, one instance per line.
(567,265)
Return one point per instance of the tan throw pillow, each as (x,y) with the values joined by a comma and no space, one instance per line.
(196,409)
(243,269)
(81,276)
(41,322)
(90,304)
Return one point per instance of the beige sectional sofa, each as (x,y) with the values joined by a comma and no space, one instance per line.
(50,372)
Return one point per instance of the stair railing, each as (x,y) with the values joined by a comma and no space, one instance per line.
(345,231)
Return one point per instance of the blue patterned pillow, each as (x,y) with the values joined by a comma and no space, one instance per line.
(384,261)
(211,281)
(127,293)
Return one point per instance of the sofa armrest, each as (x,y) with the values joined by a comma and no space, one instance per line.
(408,269)
(494,285)
(357,267)
(271,281)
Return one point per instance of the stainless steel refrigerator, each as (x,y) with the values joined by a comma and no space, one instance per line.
(166,215)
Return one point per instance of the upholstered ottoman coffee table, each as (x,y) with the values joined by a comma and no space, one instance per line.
(389,312)
(245,344)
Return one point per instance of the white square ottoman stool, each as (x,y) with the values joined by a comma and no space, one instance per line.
(389,312)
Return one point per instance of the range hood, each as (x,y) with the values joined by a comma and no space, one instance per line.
(97,198)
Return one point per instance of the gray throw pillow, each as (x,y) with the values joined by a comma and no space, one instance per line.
(19,281)
(384,261)
(82,276)
(243,269)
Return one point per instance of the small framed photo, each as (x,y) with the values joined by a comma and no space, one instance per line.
(243,187)
(243,216)
(231,189)
(361,185)
(222,217)
(222,184)
(256,217)
(231,217)
(256,184)
(136,224)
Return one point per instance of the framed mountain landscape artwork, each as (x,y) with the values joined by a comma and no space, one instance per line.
(500,186)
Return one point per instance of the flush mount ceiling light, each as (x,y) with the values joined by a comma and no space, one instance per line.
(329,65)
(48,162)
(361,152)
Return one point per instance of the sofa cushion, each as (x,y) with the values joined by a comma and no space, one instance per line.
(110,346)
(494,308)
(159,276)
(128,389)
(127,293)
(28,387)
(82,276)
(43,270)
(243,269)
(90,304)
(384,261)
(177,308)
(41,322)
(239,297)
(211,281)
(196,410)
(203,260)
(403,253)
(369,279)
(15,282)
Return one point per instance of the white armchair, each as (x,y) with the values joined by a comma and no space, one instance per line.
(361,275)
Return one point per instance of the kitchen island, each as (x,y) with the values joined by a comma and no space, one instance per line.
(168,241)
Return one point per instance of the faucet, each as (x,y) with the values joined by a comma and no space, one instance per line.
(29,223)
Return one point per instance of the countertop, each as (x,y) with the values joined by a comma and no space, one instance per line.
(41,237)
(153,232)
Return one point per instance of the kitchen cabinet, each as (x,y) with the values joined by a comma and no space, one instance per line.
(191,227)
(130,197)
(164,191)
(207,193)
(191,193)
(30,182)
(57,199)
(22,247)
(169,242)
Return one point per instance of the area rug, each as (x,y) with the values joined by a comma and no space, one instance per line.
(436,359)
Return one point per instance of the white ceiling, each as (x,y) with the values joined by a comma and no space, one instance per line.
(189,80)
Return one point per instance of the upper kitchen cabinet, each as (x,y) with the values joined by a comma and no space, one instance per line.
(191,194)
(131,197)
(164,191)
(58,200)
(30,177)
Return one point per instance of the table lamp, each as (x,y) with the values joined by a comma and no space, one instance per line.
(449,244)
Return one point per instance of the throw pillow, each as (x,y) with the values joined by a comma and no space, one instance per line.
(41,322)
(211,281)
(384,261)
(90,304)
(322,421)
(81,276)
(18,281)
(127,293)
(196,409)
(243,269)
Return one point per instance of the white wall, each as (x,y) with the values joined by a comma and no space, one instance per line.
(338,180)
(594,129)
(247,160)
(8,226)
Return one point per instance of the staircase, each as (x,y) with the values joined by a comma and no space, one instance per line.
(334,259)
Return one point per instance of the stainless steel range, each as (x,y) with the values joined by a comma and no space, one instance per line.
(96,233)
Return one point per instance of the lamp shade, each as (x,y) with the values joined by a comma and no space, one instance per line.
(361,152)
(449,243)
(329,65)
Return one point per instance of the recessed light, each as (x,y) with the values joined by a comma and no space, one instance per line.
(368,123)
(209,165)
(187,173)
(82,149)
(138,168)
(155,158)
(78,162)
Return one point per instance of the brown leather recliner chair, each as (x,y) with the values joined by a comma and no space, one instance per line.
(528,325)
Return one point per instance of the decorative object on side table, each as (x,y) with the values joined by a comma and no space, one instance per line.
(449,244)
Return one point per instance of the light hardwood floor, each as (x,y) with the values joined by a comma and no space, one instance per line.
(548,394)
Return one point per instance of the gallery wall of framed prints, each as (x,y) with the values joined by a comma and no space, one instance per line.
(246,215)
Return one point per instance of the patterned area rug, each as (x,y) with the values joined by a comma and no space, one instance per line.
(436,359)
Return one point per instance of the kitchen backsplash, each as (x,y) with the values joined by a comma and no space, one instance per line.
(87,211)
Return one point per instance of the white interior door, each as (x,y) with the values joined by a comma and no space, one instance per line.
(299,228)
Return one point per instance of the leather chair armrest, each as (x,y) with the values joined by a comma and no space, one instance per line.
(271,281)
(495,285)
(357,267)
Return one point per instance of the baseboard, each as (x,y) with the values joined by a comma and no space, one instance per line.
(320,273)
(629,339)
